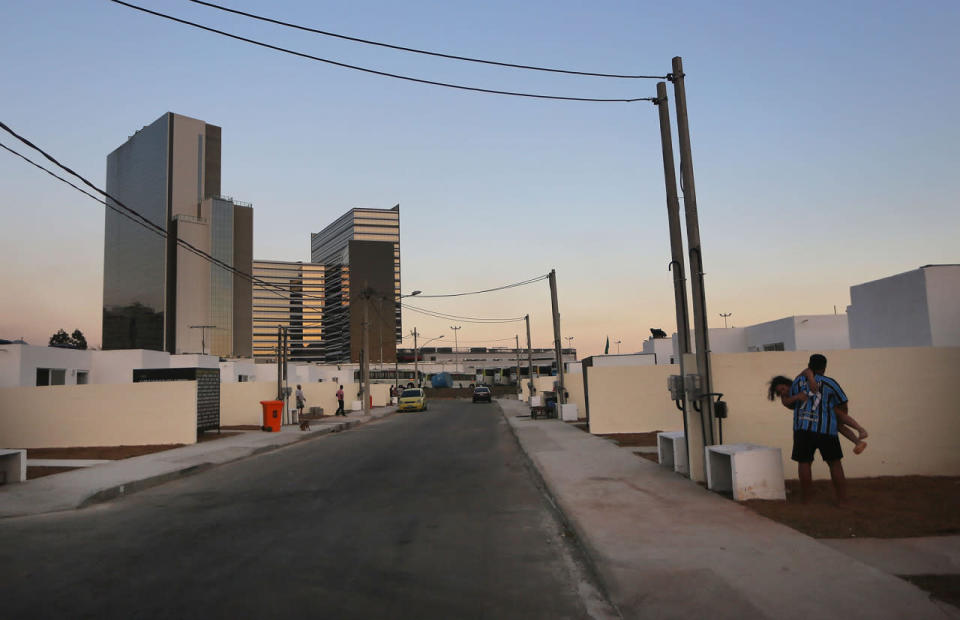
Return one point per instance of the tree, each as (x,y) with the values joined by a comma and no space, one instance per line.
(66,341)
(60,339)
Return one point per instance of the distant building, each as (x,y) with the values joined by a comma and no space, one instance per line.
(360,254)
(919,308)
(291,295)
(155,292)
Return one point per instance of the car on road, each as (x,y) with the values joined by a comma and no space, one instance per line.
(482,393)
(412,399)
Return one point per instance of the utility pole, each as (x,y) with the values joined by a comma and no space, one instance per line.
(416,365)
(456,354)
(531,389)
(676,245)
(699,300)
(365,355)
(279,363)
(283,349)
(725,315)
(556,335)
(517,338)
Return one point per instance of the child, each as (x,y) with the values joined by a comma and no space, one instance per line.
(780,386)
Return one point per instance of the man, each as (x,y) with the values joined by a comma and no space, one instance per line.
(301,401)
(340,410)
(815,428)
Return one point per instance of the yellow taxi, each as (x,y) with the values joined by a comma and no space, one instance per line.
(412,399)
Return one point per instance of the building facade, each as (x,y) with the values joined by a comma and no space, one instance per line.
(919,308)
(157,294)
(360,255)
(288,295)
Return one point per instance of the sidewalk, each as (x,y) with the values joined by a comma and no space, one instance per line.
(665,547)
(89,485)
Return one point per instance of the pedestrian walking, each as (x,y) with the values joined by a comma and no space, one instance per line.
(301,401)
(340,410)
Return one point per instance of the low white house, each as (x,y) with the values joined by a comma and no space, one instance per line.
(919,308)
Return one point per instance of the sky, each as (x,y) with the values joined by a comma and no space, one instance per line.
(825,143)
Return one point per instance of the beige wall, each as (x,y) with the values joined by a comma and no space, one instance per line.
(903,396)
(240,402)
(632,399)
(99,415)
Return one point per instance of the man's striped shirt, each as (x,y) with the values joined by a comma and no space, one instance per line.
(822,419)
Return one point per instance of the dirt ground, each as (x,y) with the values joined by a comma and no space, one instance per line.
(884,507)
(111,453)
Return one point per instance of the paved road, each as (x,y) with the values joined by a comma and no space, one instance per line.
(430,515)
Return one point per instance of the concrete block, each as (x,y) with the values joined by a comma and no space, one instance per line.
(568,412)
(748,471)
(356,405)
(13,466)
(536,401)
(672,451)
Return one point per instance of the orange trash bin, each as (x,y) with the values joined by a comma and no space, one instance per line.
(272,415)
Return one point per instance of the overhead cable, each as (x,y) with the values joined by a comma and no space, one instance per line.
(133,215)
(467,319)
(374,71)
(489,290)
(426,52)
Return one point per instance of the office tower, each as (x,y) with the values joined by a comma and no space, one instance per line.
(156,294)
(289,295)
(360,253)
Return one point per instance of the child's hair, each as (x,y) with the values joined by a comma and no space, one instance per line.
(778,380)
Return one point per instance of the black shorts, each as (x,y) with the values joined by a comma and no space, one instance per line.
(806,443)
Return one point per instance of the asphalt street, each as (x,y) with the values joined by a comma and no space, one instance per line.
(419,515)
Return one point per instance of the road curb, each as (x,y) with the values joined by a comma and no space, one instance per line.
(580,541)
(135,486)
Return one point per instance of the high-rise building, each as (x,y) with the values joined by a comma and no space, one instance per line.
(360,253)
(156,294)
(289,295)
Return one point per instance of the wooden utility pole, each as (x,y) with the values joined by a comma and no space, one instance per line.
(456,354)
(416,365)
(365,353)
(704,404)
(557,340)
(517,339)
(531,388)
(676,243)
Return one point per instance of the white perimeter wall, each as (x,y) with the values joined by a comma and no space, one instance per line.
(890,312)
(65,416)
(112,367)
(722,340)
(943,300)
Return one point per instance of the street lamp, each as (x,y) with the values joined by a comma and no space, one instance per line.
(416,358)
(725,315)
(569,340)
(618,346)
(411,294)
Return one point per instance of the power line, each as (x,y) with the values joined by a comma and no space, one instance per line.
(489,290)
(468,319)
(133,215)
(419,51)
(374,71)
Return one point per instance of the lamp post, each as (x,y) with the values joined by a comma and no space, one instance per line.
(569,340)
(725,315)
(618,346)
(416,355)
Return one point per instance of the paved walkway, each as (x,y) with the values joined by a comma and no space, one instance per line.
(666,547)
(88,485)
(932,555)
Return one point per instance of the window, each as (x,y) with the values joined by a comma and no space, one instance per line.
(51,376)
(83,377)
(776,346)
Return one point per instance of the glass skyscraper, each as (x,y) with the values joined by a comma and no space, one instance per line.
(155,293)
(360,252)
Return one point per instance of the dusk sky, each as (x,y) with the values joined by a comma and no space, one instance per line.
(825,144)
